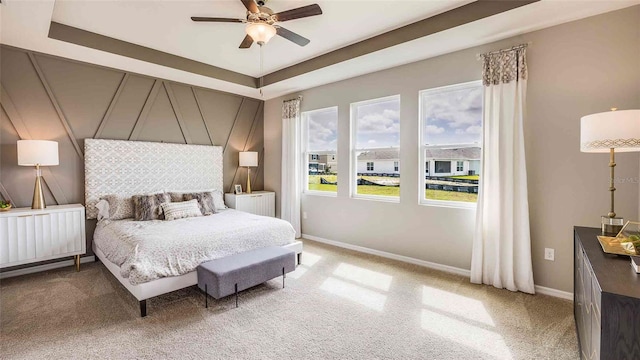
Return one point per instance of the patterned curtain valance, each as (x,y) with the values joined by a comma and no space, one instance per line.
(291,108)
(504,66)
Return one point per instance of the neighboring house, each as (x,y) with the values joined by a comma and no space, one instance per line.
(379,161)
(453,161)
(323,162)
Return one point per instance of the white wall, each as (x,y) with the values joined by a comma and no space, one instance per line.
(379,166)
(575,69)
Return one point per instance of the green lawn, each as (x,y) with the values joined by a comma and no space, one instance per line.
(467,177)
(314,184)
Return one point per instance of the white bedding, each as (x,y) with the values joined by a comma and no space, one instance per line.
(149,250)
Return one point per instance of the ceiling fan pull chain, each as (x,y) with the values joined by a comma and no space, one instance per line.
(261,69)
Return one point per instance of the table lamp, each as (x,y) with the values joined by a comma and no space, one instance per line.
(610,132)
(248,159)
(37,153)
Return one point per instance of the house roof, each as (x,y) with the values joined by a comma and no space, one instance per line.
(464,153)
(380,154)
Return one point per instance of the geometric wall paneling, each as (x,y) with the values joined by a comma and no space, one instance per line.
(191,116)
(237,139)
(48,97)
(219,111)
(120,123)
(161,123)
(83,93)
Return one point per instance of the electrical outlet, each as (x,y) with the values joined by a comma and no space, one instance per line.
(304,214)
(549,254)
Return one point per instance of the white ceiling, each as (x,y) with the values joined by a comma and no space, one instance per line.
(165,25)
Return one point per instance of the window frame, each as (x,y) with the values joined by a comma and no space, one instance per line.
(422,200)
(306,153)
(353,163)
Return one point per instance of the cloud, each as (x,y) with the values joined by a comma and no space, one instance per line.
(371,141)
(456,108)
(474,129)
(432,129)
(323,130)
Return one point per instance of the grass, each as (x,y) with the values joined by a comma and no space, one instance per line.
(314,185)
(467,177)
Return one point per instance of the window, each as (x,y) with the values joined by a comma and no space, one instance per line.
(443,167)
(451,138)
(375,143)
(369,166)
(319,143)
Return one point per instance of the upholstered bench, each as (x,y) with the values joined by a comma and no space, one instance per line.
(231,274)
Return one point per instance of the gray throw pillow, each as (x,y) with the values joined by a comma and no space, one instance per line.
(148,207)
(205,201)
(119,207)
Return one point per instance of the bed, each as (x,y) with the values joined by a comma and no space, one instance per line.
(151,258)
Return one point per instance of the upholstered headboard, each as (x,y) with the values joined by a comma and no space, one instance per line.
(128,168)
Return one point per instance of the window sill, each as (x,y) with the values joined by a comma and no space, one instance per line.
(387,199)
(320,193)
(449,204)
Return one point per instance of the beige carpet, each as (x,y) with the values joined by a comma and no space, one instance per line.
(337,305)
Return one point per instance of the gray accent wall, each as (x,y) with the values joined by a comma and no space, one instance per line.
(51,98)
(575,69)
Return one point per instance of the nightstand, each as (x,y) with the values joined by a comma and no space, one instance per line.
(258,202)
(31,235)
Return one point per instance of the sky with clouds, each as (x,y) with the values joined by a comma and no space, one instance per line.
(378,124)
(452,116)
(323,129)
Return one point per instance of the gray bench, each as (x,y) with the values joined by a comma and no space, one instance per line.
(231,274)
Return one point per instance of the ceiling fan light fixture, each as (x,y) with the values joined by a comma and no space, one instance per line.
(260,32)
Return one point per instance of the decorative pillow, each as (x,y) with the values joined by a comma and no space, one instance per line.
(119,207)
(181,210)
(176,196)
(205,201)
(218,200)
(148,207)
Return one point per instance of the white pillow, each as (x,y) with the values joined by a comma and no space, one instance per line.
(181,210)
(103,209)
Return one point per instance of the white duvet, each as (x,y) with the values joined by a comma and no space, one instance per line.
(149,250)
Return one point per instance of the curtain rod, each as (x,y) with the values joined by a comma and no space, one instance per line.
(521,46)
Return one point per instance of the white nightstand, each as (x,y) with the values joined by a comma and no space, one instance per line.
(29,235)
(258,202)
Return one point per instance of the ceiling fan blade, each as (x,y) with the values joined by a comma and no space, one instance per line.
(246,43)
(251,5)
(291,36)
(301,12)
(215,19)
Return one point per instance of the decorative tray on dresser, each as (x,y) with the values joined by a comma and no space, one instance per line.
(606,300)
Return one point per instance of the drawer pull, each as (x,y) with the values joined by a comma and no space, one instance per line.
(25,215)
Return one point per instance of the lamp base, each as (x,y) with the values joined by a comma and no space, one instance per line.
(611,226)
(38,195)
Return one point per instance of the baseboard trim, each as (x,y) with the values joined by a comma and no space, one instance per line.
(388,255)
(45,267)
(554,292)
(431,265)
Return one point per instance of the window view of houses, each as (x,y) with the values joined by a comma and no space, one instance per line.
(451,123)
(451,145)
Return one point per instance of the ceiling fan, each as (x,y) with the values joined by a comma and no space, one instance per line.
(262,23)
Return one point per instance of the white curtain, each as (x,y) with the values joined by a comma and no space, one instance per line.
(291,160)
(502,245)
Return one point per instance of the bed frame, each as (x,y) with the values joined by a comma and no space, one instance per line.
(123,168)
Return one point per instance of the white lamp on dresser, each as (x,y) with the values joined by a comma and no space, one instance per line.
(37,153)
(248,159)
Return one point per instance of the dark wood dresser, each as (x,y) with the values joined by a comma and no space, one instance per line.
(606,295)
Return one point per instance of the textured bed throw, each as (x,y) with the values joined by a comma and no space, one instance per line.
(149,250)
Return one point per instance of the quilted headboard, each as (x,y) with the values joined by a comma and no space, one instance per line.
(128,168)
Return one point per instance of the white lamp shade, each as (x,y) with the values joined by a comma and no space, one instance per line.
(612,129)
(248,158)
(260,33)
(37,152)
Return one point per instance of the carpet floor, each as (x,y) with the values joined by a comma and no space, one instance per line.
(338,304)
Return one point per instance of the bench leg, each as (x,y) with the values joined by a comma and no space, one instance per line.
(299,258)
(236,295)
(206,297)
(283,276)
(143,308)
